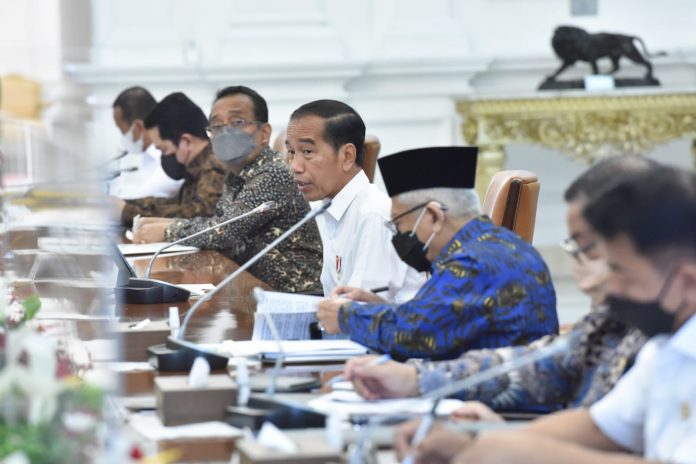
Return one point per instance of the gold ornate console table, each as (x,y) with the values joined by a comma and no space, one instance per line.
(583,126)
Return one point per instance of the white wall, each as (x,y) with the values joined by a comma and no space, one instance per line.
(401,63)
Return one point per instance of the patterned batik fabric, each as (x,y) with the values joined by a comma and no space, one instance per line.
(202,187)
(579,377)
(295,264)
(488,289)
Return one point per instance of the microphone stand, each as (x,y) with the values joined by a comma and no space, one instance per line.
(178,360)
(309,216)
(561,344)
(259,209)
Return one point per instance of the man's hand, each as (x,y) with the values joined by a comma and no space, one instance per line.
(327,314)
(356,294)
(475,411)
(149,230)
(439,446)
(389,380)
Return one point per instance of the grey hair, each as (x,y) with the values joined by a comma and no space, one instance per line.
(459,202)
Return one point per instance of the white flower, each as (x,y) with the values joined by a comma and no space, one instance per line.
(78,422)
(16,458)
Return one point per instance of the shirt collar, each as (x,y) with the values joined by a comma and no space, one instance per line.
(343,199)
(470,231)
(683,339)
(152,151)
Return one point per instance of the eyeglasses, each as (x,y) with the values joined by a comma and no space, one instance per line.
(237,123)
(392,224)
(571,246)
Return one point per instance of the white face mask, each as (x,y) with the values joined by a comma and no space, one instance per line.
(130,145)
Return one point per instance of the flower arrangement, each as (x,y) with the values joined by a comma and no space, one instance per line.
(47,415)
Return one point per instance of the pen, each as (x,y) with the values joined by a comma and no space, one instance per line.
(385,358)
(372,290)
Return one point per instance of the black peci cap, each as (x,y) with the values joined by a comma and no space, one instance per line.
(425,168)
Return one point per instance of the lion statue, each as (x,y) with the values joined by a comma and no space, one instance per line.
(573,44)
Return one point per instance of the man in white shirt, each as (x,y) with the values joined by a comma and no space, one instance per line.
(325,142)
(647,225)
(130,109)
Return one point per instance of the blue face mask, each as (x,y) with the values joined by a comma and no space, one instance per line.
(233,144)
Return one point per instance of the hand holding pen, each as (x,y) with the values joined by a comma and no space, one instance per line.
(377,361)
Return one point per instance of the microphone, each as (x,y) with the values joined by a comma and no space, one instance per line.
(166,359)
(114,174)
(562,344)
(71,181)
(122,154)
(151,291)
(267,206)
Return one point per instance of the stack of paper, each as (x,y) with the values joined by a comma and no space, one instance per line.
(291,313)
(295,351)
(349,403)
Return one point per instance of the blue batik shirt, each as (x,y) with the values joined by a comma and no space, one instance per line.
(576,378)
(488,288)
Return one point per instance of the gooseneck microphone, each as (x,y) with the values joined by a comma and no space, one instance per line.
(182,353)
(308,217)
(116,173)
(562,344)
(267,206)
(151,291)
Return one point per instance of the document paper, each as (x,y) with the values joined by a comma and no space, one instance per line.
(291,313)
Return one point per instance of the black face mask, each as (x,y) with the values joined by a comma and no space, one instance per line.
(172,167)
(411,251)
(649,317)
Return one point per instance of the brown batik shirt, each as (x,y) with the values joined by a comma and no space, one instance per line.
(295,264)
(202,187)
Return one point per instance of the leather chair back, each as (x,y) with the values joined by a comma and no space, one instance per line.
(511,201)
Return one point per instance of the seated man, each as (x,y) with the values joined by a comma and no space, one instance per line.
(647,225)
(176,126)
(130,109)
(580,378)
(488,287)
(256,174)
(325,147)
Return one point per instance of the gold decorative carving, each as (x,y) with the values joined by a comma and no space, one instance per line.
(584,127)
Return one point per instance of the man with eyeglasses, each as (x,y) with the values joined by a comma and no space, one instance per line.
(488,287)
(325,141)
(646,223)
(256,174)
(580,378)
(176,127)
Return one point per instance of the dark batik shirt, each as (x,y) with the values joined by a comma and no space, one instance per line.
(295,264)
(203,183)
(581,377)
(488,289)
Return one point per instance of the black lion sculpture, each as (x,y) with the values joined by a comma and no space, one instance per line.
(573,44)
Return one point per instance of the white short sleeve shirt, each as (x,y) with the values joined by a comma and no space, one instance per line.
(652,409)
(357,246)
(149,180)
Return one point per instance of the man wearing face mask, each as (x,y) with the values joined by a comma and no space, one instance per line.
(256,174)
(176,126)
(130,109)
(488,287)
(608,345)
(647,224)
